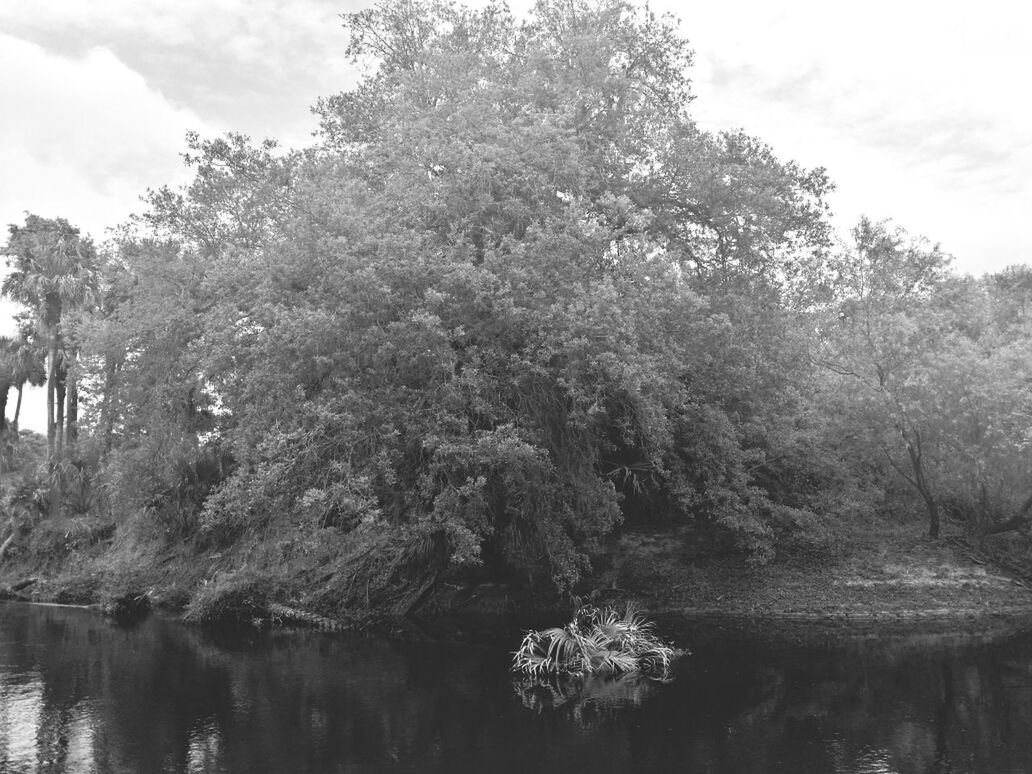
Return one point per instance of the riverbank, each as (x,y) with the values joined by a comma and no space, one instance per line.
(870,582)
(889,578)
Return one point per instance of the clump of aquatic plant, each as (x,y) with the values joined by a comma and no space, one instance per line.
(598,641)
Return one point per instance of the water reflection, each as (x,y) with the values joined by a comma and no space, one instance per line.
(78,695)
(584,695)
(19,717)
(203,752)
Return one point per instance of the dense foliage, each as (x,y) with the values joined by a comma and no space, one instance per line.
(511,298)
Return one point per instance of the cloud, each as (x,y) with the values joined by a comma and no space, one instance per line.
(903,103)
(82,138)
(914,112)
(97,97)
(255,66)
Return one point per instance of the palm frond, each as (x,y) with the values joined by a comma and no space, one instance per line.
(616,662)
(598,641)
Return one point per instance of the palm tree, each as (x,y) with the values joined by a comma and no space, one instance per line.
(7,376)
(21,363)
(28,361)
(53,270)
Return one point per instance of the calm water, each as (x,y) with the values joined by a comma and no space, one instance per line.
(80,695)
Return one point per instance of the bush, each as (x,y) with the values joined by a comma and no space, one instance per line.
(128,608)
(235,599)
(78,590)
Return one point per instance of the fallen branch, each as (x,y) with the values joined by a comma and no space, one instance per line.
(10,538)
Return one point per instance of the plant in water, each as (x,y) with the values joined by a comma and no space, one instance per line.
(598,641)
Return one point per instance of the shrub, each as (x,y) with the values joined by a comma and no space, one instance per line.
(234,599)
(78,590)
(128,608)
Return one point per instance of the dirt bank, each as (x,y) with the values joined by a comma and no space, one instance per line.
(892,582)
(868,583)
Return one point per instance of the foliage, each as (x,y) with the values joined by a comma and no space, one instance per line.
(240,599)
(596,641)
(21,363)
(496,309)
(920,373)
(512,298)
(53,271)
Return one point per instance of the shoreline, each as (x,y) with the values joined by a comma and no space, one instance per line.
(886,583)
(697,629)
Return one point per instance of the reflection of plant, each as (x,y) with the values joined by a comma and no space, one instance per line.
(596,641)
(539,693)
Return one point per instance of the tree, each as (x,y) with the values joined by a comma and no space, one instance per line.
(502,305)
(20,363)
(53,271)
(909,355)
(505,346)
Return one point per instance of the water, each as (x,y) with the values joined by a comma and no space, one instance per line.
(80,695)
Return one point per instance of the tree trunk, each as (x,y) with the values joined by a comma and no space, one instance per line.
(933,518)
(10,539)
(7,544)
(55,429)
(107,408)
(51,392)
(71,410)
(17,407)
(59,422)
(4,392)
(921,483)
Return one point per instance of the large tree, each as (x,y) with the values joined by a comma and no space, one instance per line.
(499,306)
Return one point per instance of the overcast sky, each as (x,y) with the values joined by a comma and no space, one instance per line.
(918,110)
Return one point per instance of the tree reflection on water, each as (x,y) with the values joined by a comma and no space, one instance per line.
(79,695)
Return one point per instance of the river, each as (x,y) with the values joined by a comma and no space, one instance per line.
(82,695)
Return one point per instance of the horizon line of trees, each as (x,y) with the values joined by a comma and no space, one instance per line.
(510,298)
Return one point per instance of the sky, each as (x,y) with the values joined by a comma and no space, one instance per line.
(918,110)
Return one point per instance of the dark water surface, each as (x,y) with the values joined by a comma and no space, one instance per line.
(79,694)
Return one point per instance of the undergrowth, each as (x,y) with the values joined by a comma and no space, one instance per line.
(239,598)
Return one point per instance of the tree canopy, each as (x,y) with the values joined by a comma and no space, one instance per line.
(510,299)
